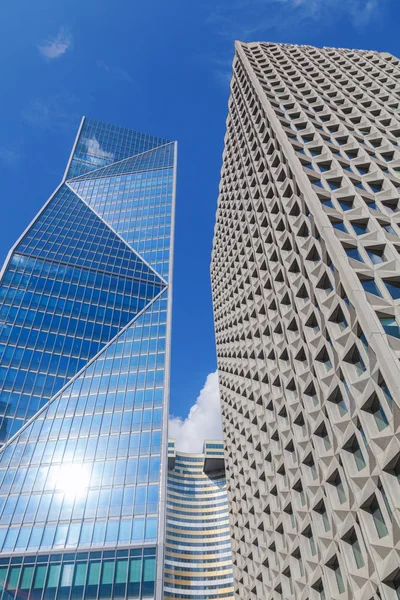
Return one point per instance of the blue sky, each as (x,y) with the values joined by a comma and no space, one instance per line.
(163,68)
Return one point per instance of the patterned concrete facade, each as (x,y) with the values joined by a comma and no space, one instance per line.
(198,557)
(306,289)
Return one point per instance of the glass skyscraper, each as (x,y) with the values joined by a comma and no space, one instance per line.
(84,376)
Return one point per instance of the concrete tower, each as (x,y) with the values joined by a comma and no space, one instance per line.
(306,289)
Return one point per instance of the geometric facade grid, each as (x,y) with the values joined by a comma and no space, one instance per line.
(198,556)
(306,289)
(85,334)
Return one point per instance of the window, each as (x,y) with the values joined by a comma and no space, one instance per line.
(363,169)
(320,589)
(358,184)
(324,358)
(393,287)
(376,255)
(390,325)
(334,184)
(372,507)
(327,202)
(372,205)
(309,534)
(389,229)
(354,254)
(345,167)
(315,151)
(391,206)
(340,226)
(341,141)
(385,499)
(383,385)
(370,286)
(353,447)
(351,538)
(321,432)
(360,227)
(376,186)
(325,519)
(339,318)
(324,166)
(374,407)
(336,481)
(337,398)
(353,357)
(346,204)
(315,181)
(321,510)
(334,565)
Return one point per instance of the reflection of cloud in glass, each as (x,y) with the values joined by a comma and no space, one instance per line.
(96,155)
(73,479)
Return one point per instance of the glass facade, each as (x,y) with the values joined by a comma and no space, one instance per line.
(84,342)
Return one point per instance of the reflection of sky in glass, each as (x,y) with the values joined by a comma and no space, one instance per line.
(94,453)
(84,474)
(138,206)
(100,144)
(62,298)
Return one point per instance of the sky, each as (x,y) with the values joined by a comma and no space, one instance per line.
(162,68)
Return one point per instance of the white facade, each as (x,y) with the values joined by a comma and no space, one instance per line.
(306,290)
(198,555)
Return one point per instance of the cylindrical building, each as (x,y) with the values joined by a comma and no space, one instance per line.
(198,560)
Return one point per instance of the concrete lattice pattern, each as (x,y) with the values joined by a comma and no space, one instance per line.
(306,288)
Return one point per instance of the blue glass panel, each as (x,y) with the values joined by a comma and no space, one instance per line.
(139,207)
(394,288)
(390,325)
(82,575)
(370,286)
(69,231)
(100,144)
(360,228)
(340,226)
(79,459)
(159,158)
(354,253)
(376,256)
(53,319)
(84,472)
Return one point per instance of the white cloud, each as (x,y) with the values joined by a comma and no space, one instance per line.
(56,46)
(96,155)
(203,421)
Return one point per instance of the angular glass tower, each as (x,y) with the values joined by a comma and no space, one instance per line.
(84,376)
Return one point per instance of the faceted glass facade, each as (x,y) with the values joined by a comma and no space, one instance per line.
(306,291)
(198,555)
(84,336)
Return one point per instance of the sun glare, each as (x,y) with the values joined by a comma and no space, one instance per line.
(72,479)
